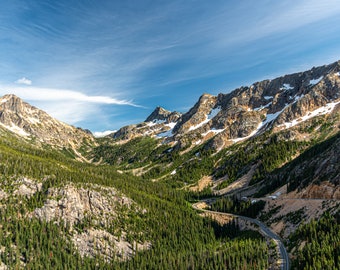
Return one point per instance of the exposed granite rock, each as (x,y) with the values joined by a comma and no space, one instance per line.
(26,120)
(160,114)
(71,204)
(139,130)
(98,207)
(3,195)
(196,115)
(91,241)
(27,187)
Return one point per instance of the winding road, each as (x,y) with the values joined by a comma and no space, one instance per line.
(264,230)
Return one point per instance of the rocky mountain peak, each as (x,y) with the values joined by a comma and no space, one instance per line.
(28,121)
(158,114)
(247,111)
(12,102)
(160,121)
(161,114)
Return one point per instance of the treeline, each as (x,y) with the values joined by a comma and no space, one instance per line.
(267,152)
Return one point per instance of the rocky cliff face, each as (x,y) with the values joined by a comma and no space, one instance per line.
(270,104)
(89,210)
(28,121)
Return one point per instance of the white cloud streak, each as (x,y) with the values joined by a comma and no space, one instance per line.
(24,80)
(50,94)
(66,105)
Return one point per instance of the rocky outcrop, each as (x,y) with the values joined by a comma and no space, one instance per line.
(111,247)
(160,121)
(93,214)
(28,121)
(93,208)
(26,187)
(160,114)
(196,115)
(72,204)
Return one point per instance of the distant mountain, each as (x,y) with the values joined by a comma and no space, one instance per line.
(247,111)
(28,121)
(158,123)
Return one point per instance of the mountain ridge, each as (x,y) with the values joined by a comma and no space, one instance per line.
(248,110)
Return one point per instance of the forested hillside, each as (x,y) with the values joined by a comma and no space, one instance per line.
(177,236)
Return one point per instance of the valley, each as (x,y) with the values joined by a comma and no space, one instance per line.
(262,163)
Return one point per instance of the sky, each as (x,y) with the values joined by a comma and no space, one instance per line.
(101,65)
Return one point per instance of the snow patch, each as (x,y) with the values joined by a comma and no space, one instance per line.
(16,129)
(4,100)
(165,134)
(210,116)
(269,118)
(268,97)
(320,111)
(296,98)
(272,116)
(215,131)
(286,86)
(100,134)
(262,107)
(315,81)
(199,125)
(249,136)
(171,125)
(155,122)
(169,132)
(33,120)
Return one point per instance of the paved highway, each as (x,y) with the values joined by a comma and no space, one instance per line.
(264,229)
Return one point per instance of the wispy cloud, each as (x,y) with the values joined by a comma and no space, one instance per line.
(50,94)
(66,105)
(24,80)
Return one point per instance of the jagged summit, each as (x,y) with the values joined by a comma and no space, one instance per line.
(160,114)
(13,103)
(249,110)
(28,121)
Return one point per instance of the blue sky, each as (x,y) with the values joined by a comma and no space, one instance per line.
(104,64)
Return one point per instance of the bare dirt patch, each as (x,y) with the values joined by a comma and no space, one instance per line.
(204,182)
(242,182)
(293,212)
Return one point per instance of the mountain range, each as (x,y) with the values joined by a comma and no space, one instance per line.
(275,142)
